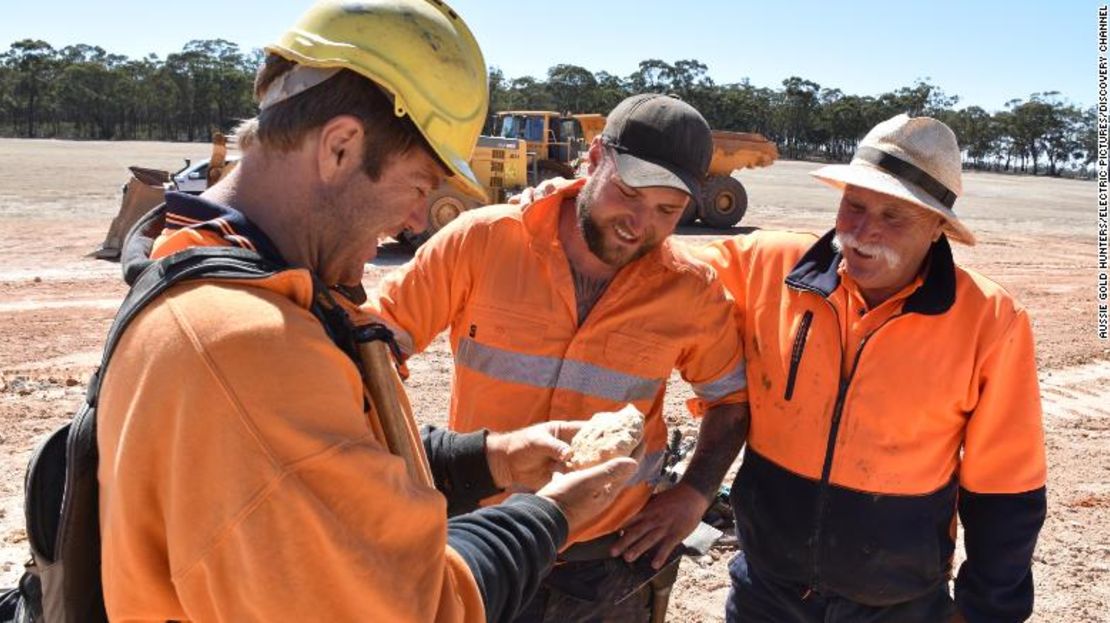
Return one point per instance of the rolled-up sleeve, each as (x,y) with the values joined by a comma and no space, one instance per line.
(713,362)
(419,300)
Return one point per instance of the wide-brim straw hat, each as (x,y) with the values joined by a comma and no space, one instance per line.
(911,158)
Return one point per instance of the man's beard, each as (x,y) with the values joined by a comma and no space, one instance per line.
(345,244)
(613,255)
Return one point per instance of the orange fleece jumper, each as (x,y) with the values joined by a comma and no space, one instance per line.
(242,480)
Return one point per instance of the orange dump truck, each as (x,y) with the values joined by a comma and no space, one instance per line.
(723,199)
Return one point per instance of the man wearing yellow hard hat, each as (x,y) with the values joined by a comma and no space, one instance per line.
(242,475)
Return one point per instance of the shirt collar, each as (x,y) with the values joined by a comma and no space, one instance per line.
(852,288)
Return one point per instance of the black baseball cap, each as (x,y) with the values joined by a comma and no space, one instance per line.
(660,140)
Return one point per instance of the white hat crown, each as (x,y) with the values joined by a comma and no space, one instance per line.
(922,142)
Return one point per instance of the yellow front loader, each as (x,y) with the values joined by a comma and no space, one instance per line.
(147,189)
(526,147)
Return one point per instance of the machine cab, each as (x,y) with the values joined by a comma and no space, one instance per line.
(550,136)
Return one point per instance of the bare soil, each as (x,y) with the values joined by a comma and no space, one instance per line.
(1037,238)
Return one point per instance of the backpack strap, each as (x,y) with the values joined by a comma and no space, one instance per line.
(225,263)
(337,324)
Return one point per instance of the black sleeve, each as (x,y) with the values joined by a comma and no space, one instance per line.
(509,549)
(459,467)
(1000,532)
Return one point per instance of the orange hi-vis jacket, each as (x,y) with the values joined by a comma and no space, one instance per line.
(241,478)
(870,426)
(498,278)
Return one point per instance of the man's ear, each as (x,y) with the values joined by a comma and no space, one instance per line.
(339,147)
(940,228)
(594,155)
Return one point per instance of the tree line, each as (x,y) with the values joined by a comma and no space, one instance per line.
(85,92)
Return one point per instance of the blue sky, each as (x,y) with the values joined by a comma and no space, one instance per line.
(985,51)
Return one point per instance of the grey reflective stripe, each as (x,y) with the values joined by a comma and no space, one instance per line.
(732,382)
(650,470)
(553,372)
(592,380)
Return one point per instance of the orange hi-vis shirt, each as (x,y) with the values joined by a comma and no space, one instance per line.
(499,280)
(857,321)
(242,480)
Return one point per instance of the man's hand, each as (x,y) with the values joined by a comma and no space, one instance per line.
(584,494)
(672,515)
(666,519)
(526,458)
(541,190)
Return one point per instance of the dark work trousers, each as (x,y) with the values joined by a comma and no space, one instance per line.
(587,591)
(756,598)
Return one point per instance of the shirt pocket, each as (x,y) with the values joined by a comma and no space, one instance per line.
(643,355)
(510,329)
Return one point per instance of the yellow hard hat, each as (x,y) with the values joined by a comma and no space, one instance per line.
(420,51)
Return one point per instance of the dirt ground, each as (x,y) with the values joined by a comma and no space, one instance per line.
(1037,239)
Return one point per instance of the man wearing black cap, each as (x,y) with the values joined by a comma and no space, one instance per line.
(581,303)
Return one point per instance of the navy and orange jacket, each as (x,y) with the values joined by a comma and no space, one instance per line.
(243,479)
(870,427)
(499,280)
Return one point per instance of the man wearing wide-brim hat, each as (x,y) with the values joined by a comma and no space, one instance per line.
(890,388)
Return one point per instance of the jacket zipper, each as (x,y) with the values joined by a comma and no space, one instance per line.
(796,353)
(830,447)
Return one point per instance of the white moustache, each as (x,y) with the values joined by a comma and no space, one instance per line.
(886,254)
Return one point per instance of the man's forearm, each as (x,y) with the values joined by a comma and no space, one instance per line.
(723,431)
(509,549)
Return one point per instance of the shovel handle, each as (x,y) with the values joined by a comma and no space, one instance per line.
(392,407)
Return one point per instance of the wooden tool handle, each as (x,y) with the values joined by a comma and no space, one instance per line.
(393,409)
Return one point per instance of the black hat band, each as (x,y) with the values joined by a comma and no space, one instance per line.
(908,172)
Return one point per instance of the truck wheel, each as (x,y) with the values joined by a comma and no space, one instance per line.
(444,206)
(723,201)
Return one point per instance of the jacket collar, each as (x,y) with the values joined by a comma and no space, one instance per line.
(183,211)
(189,211)
(817,272)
